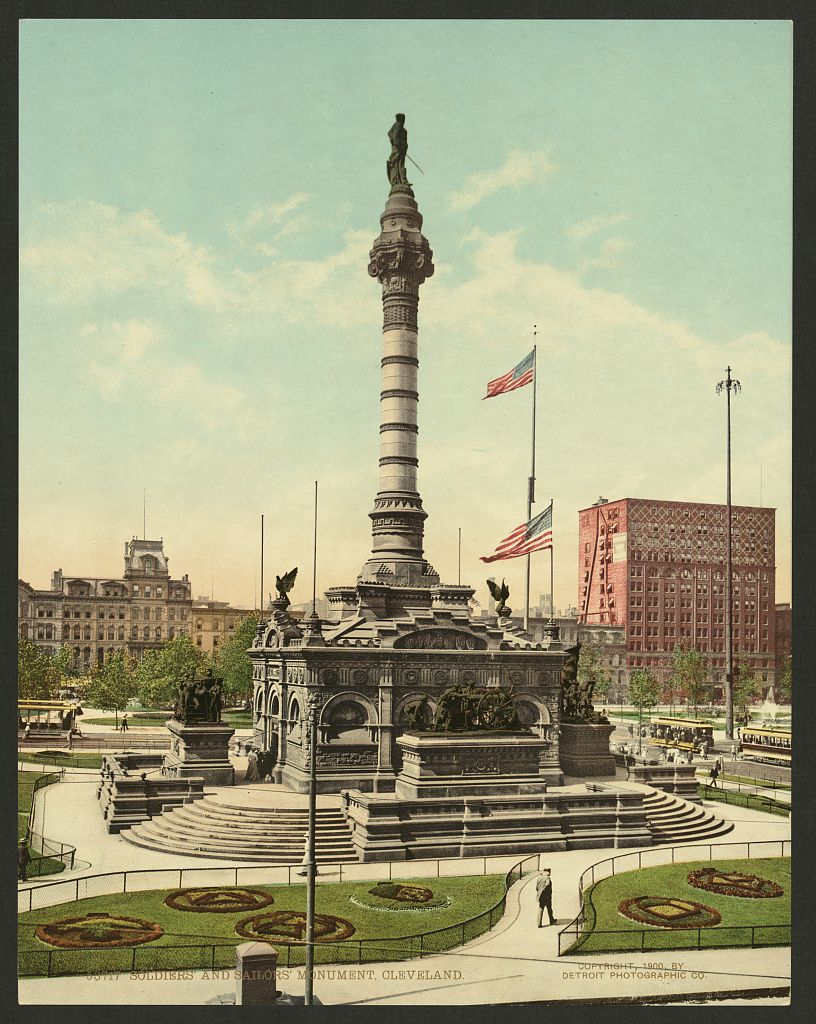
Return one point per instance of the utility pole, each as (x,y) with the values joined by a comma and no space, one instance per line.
(310,859)
(729,385)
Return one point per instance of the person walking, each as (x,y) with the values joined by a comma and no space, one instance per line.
(27,733)
(712,776)
(544,896)
(124,723)
(70,739)
(23,860)
(252,767)
(734,751)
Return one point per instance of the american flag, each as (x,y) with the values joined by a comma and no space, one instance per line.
(533,536)
(515,378)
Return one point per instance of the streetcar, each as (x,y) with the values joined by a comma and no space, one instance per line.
(48,716)
(771,745)
(684,733)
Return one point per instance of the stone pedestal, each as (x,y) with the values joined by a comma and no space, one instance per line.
(200,749)
(584,749)
(473,764)
(255,970)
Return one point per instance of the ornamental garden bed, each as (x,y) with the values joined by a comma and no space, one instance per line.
(663,907)
(62,759)
(348,931)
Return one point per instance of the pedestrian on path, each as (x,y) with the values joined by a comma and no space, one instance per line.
(27,732)
(70,739)
(544,896)
(23,860)
(124,723)
(712,776)
(252,767)
(734,751)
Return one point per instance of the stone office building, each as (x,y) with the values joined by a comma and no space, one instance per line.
(214,623)
(98,616)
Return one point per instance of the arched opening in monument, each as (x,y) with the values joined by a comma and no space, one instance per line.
(346,722)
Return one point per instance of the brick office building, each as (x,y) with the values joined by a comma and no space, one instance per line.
(657,568)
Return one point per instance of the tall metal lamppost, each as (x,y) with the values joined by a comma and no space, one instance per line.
(729,385)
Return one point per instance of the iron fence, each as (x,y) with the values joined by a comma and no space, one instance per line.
(747,800)
(577,932)
(46,854)
(221,955)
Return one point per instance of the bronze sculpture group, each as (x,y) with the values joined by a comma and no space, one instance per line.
(576,696)
(465,709)
(200,700)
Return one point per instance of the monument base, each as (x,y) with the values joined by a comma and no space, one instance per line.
(485,794)
(474,764)
(200,749)
(584,749)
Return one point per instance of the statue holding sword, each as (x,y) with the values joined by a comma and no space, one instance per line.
(395,165)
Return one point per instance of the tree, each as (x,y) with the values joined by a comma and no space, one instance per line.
(160,672)
(690,673)
(784,681)
(233,663)
(591,666)
(112,685)
(64,660)
(747,685)
(38,675)
(644,693)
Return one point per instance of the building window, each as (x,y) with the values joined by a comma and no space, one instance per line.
(135,591)
(146,633)
(215,624)
(147,591)
(134,632)
(198,641)
(158,591)
(158,632)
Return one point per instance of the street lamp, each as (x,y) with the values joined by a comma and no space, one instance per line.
(728,385)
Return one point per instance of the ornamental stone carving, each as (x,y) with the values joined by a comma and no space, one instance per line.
(441,640)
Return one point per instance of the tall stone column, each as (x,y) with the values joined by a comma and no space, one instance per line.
(401,260)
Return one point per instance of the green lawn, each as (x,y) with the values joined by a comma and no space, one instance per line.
(608,931)
(135,721)
(468,897)
(63,759)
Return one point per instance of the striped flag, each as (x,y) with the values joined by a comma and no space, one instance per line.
(533,536)
(515,378)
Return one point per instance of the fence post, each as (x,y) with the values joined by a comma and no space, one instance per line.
(421,938)
(360,952)
(133,959)
(699,938)
(389,871)
(642,941)
(437,868)
(124,882)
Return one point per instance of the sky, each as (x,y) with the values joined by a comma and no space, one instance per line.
(198,200)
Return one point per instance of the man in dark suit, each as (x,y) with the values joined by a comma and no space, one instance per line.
(544,894)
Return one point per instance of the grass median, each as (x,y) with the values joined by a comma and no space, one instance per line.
(744,921)
(383,929)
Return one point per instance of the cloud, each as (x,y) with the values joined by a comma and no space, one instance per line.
(275,213)
(608,257)
(593,225)
(114,349)
(520,168)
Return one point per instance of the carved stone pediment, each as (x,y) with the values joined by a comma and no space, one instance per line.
(436,639)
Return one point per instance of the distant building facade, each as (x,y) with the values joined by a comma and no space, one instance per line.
(783,616)
(99,616)
(657,570)
(214,623)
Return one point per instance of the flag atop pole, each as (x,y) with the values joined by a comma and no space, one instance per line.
(536,535)
(520,375)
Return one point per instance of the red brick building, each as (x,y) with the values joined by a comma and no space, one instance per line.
(657,568)
(783,632)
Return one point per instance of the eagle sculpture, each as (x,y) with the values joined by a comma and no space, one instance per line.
(283,584)
(500,595)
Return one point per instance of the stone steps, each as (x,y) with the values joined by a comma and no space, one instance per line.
(217,828)
(674,820)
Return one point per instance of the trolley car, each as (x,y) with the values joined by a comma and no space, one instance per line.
(771,745)
(48,716)
(685,733)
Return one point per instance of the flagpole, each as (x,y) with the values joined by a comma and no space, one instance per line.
(531,494)
(552,557)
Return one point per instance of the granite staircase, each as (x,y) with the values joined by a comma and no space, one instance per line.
(213,827)
(674,820)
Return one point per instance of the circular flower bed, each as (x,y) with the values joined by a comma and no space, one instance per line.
(668,912)
(98,931)
(291,925)
(734,883)
(398,897)
(218,901)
